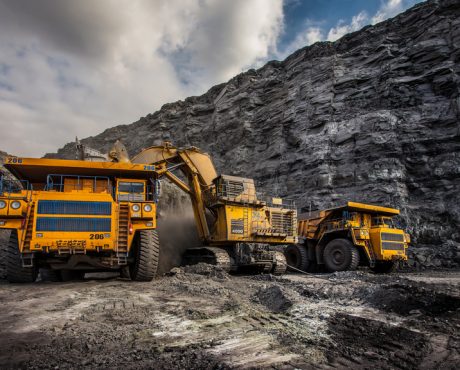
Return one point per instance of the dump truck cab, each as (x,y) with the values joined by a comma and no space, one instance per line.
(344,237)
(77,216)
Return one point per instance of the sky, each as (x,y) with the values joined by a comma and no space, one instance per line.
(75,68)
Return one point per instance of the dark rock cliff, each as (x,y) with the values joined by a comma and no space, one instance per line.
(373,117)
(4,234)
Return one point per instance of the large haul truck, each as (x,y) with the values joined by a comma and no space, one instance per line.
(68,217)
(344,237)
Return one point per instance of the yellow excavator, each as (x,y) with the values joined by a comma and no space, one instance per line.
(237,227)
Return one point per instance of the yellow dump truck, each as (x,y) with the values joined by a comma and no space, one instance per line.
(344,237)
(68,217)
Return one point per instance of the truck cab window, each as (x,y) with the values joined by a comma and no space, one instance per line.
(131,187)
(131,191)
(383,221)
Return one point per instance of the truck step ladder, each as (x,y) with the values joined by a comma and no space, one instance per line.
(122,238)
(27,258)
(246,222)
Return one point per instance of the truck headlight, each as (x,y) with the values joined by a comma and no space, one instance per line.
(2,204)
(136,207)
(147,207)
(15,204)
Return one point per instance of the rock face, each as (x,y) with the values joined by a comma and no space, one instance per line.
(373,117)
(4,236)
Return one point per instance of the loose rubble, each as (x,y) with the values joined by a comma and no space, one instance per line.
(199,317)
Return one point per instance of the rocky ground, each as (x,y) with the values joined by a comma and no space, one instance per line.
(201,318)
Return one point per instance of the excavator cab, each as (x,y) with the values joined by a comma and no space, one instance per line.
(235,189)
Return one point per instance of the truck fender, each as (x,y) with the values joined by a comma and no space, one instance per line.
(319,249)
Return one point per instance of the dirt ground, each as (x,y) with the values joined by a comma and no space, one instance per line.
(201,318)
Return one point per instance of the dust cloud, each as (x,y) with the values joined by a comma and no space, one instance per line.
(176,226)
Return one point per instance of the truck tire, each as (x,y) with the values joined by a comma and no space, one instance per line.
(340,255)
(384,267)
(50,275)
(15,273)
(146,253)
(297,256)
(3,253)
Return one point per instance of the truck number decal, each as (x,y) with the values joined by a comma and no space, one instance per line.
(96,236)
(149,168)
(14,160)
(237,226)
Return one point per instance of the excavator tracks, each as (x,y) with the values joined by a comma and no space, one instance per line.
(213,255)
(280,266)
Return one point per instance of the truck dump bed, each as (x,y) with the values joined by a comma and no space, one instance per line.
(308,222)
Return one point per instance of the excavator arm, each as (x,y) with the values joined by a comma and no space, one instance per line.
(196,166)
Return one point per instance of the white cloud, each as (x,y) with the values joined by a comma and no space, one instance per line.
(307,37)
(387,10)
(77,67)
(357,22)
(314,31)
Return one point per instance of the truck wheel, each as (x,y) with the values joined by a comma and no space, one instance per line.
(297,256)
(384,267)
(340,255)
(146,253)
(15,273)
(50,275)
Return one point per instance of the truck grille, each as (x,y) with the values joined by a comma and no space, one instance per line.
(393,237)
(393,246)
(66,207)
(73,224)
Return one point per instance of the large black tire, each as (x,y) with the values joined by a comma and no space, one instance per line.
(384,267)
(3,252)
(47,274)
(297,256)
(15,273)
(146,253)
(340,255)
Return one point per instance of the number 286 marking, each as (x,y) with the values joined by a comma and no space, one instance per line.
(14,160)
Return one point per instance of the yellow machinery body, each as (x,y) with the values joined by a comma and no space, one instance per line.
(71,208)
(235,223)
(237,212)
(370,228)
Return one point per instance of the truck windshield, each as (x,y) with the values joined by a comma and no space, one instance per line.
(383,221)
(131,187)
